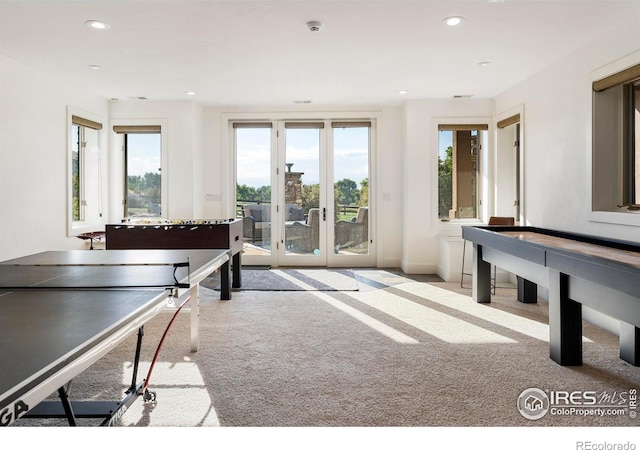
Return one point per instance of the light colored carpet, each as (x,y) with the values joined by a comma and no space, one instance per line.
(292,280)
(400,352)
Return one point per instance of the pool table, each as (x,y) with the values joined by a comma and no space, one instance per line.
(577,269)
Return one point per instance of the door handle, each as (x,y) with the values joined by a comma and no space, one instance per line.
(324,214)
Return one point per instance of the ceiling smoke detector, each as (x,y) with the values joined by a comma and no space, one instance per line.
(314,25)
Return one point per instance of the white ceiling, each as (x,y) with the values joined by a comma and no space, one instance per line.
(261,53)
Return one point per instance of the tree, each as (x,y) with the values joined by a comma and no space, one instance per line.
(151,185)
(364,192)
(244,192)
(310,196)
(263,194)
(251,194)
(445,174)
(346,192)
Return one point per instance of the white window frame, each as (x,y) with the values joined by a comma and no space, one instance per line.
(484,197)
(98,217)
(117,166)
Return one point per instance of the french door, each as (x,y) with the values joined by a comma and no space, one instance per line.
(302,191)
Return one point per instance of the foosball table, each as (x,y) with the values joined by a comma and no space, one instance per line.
(148,234)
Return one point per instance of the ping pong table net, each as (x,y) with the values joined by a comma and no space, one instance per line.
(94,276)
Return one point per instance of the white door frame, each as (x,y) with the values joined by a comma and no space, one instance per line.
(273,258)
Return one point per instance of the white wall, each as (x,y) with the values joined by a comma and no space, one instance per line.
(33,158)
(387,165)
(389,190)
(197,166)
(200,165)
(557,142)
(181,123)
(421,227)
(33,144)
(557,115)
(218,167)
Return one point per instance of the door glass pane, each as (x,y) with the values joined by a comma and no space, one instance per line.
(253,189)
(143,179)
(302,213)
(351,190)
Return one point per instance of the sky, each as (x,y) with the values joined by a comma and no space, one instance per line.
(351,154)
(445,139)
(144,153)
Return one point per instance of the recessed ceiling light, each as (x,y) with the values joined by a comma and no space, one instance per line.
(94,67)
(454,20)
(190,93)
(484,63)
(403,92)
(97,25)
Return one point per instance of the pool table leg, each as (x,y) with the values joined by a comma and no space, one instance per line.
(630,343)
(565,322)
(481,287)
(527,291)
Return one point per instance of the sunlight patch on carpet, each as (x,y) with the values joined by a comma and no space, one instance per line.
(431,321)
(369,321)
(385,277)
(465,304)
(295,280)
(182,399)
(319,279)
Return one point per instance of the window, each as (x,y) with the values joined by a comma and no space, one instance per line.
(616,142)
(459,149)
(631,145)
(86,180)
(142,169)
(77,168)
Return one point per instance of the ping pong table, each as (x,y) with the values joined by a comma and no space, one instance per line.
(61,311)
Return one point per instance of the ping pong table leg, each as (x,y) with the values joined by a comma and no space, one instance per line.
(66,404)
(136,360)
